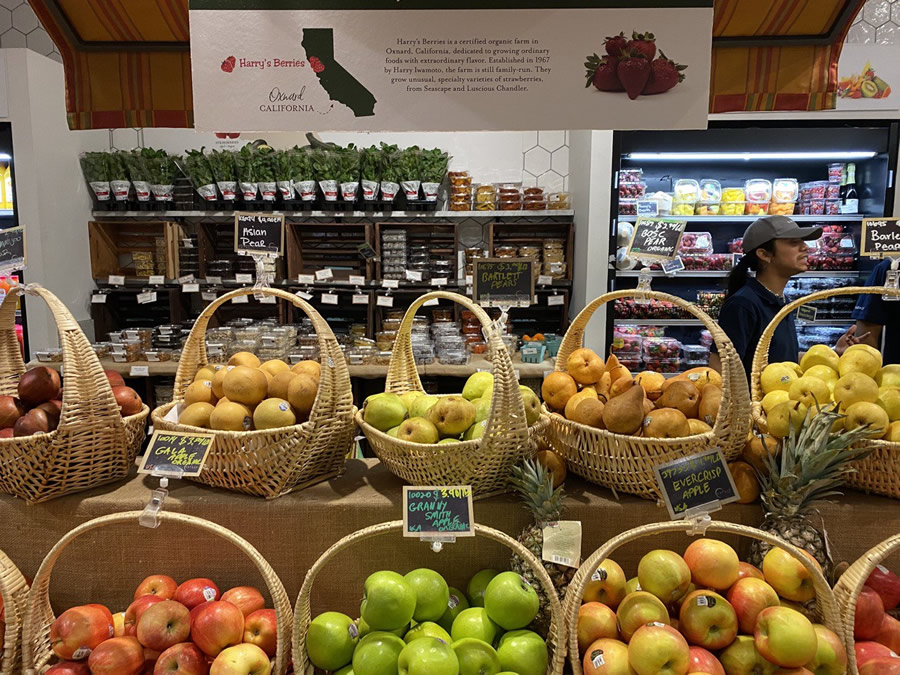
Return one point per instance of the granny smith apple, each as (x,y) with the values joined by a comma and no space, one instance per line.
(330,640)
(377,654)
(476,657)
(388,602)
(457,603)
(475,623)
(428,656)
(346,670)
(365,629)
(427,629)
(522,652)
(432,594)
(510,601)
(477,584)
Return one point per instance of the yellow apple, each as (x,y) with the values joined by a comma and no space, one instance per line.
(890,401)
(862,413)
(786,416)
(853,388)
(777,376)
(810,391)
(860,361)
(819,355)
(772,399)
(893,433)
(828,375)
(889,376)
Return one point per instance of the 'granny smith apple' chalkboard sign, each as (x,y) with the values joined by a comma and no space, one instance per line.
(176,453)
(656,238)
(696,484)
(438,511)
(258,233)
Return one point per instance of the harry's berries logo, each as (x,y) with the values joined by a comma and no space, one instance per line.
(224,134)
(228,64)
(316,64)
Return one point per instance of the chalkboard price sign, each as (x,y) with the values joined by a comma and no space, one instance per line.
(12,248)
(438,511)
(175,453)
(880,237)
(503,282)
(656,238)
(258,233)
(696,484)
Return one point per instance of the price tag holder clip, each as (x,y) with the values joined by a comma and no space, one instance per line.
(643,287)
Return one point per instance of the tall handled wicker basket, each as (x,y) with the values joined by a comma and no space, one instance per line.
(879,472)
(625,463)
(273,462)
(93,444)
(556,638)
(13,591)
(37,653)
(486,463)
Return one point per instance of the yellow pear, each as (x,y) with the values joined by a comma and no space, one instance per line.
(859,361)
(819,355)
(828,375)
(862,413)
(777,376)
(699,427)
(890,401)
(893,433)
(865,348)
(773,398)
(786,416)
(854,388)
(888,376)
(573,401)
(811,391)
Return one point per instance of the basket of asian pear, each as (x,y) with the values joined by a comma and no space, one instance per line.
(286,456)
(481,441)
(92,443)
(866,391)
(645,420)
(13,592)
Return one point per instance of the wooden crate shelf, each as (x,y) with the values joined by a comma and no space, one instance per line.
(439,238)
(317,246)
(133,249)
(534,234)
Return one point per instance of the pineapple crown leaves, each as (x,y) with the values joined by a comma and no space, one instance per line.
(535,485)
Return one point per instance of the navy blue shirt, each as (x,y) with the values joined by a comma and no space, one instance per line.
(873,309)
(745,315)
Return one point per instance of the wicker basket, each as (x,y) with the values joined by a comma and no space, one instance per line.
(826,605)
(850,585)
(93,444)
(37,654)
(556,638)
(14,591)
(485,464)
(879,472)
(625,463)
(273,462)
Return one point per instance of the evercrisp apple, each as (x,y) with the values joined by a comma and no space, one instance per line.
(217,626)
(195,592)
(869,613)
(785,637)
(788,576)
(595,621)
(637,609)
(607,657)
(157,584)
(831,656)
(164,624)
(742,658)
(150,658)
(246,598)
(866,651)
(713,563)
(607,585)
(106,613)
(241,659)
(665,574)
(708,620)
(69,668)
(887,585)
(889,633)
(703,661)
(261,629)
(658,649)
(881,666)
(749,596)
(185,658)
(117,656)
(136,610)
(78,631)
(745,569)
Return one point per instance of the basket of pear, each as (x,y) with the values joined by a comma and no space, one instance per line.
(856,384)
(470,439)
(277,428)
(612,427)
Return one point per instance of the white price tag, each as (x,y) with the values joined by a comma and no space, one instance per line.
(240,299)
(145,298)
(190,288)
(385,301)
(413,275)
(209,296)
(303,294)
(116,280)
(360,299)
(306,279)
(243,278)
(267,299)
(324,275)
(442,281)
(186,279)
(329,299)
(139,371)
(430,303)
(469,280)
(390,283)
(99,299)
(556,300)
(544,280)
(157,279)
(357,280)
(214,281)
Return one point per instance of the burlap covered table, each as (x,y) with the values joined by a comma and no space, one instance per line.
(292,531)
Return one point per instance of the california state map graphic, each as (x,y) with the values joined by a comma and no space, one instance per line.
(340,85)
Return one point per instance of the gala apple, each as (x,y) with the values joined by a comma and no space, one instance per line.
(216,626)
(164,624)
(195,592)
(157,584)
(241,659)
(79,630)
(261,629)
(185,658)
(247,599)
(117,656)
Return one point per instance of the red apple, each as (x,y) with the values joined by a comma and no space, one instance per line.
(117,656)
(217,625)
(887,585)
(163,624)
(245,598)
(241,660)
(866,651)
(749,596)
(869,612)
(106,612)
(595,621)
(69,668)
(119,624)
(708,620)
(184,658)
(889,633)
(607,585)
(747,570)
(157,584)
(261,629)
(882,666)
(713,564)
(703,661)
(114,378)
(785,637)
(136,609)
(195,592)
(831,655)
(79,630)
(11,409)
(150,657)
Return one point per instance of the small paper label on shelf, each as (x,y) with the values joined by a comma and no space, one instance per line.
(673,266)
(116,280)
(145,298)
(385,301)
(240,299)
(430,303)
(562,543)
(209,296)
(190,288)
(357,280)
(303,294)
(324,275)
(469,279)
(544,280)
(186,279)
(438,510)
(647,207)
(157,279)
(413,275)
(390,283)
(807,313)
(556,300)
(329,299)
(243,278)
(360,299)
(99,298)
(439,282)
(139,371)
(214,281)
(267,299)
(306,279)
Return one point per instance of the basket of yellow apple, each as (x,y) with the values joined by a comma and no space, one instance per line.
(856,384)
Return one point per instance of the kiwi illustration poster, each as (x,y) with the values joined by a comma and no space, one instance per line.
(448,65)
(868,77)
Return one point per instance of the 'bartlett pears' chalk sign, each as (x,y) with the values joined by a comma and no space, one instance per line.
(176,453)
(258,233)
(12,248)
(438,511)
(503,281)
(880,237)
(696,484)
(657,238)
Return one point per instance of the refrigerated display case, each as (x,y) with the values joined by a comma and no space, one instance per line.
(721,179)
(8,219)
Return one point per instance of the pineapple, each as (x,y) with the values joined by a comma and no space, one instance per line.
(812,464)
(535,485)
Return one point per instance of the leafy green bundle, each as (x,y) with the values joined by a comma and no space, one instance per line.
(95,166)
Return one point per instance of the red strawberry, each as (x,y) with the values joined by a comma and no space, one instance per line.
(664,74)
(645,43)
(634,72)
(228,64)
(615,44)
(601,72)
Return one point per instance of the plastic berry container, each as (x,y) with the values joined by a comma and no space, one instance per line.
(816,207)
(662,348)
(662,365)
(756,208)
(633,362)
(817,189)
(835,172)
(832,207)
(736,245)
(696,243)
(628,207)
(631,175)
(832,191)
(732,208)
(631,190)
(695,353)
(626,343)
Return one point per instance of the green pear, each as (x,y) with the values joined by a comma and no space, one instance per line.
(418,430)
(532,404)
(482,408)
(476,385)
(475,431)
(393,431)
(448,441)
(409,397)
(384,411)
(452,415)
(422,405)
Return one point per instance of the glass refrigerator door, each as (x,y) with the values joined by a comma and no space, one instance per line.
(9,218)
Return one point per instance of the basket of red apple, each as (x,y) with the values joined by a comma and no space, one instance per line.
(13,591)
(868,594)
(419,625)
(613,426)
(167,627)
(55,440)
(704,611)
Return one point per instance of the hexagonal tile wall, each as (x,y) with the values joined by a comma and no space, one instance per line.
(19,27)
(545,160)
(877,23)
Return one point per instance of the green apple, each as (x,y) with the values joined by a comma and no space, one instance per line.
(532,404)
(477,384)
(422,405)
(475,431)
(388,601)
(477,584)
(428,656)
(377,654)
(427,629)
(482,409)
(476,657)
(523,652)
(409,398)
(384,411)
(475,623)
(330,640)
(510,601)
(365,629)
(455,605)
(432,594)
(346,670)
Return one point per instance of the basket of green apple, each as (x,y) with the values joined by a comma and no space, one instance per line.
(417,624)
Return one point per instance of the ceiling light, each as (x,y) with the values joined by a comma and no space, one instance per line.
(746,156)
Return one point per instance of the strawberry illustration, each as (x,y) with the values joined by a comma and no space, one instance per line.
(229,64)
(634,72)
(664,74)
(645,43)
(615,44)
(601,72)
(316,64)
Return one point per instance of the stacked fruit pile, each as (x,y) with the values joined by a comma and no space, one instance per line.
(607,396)
(419,418)
(706,612)
(247,395)
(38,406)
(875,632)
(855,384)
(169,628)
(419,625)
